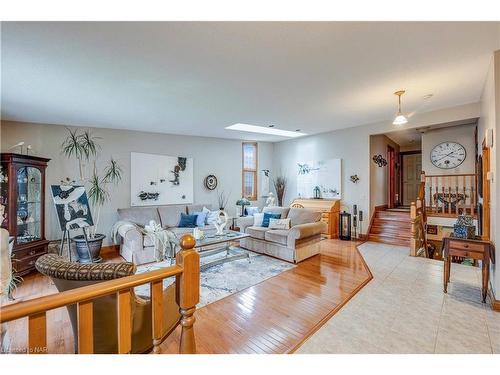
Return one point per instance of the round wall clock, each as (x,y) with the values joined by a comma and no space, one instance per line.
(448,155)
(211,182)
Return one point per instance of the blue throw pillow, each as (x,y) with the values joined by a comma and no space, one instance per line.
(188,221)
(200,220)
(267,216)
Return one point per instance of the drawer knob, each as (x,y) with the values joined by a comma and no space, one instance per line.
(32,252)
(466,246)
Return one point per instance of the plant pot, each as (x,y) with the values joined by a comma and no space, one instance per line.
(94,245)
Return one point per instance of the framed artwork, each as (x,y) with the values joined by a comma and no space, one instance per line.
(72,206)
(160,179)
(322,177)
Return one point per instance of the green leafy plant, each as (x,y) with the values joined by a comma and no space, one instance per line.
(14,281)
(84,147)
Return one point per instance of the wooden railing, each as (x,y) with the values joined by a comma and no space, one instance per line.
(451,195)
(186,271)
(418,216)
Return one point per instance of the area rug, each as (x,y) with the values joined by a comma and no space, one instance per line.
(222,280)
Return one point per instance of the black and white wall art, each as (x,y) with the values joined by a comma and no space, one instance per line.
(323,174)
(160,179)
(72,206)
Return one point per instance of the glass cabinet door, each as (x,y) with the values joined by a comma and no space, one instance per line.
(4,196)
(29,188)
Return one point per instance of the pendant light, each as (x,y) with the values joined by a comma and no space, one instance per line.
(400,118)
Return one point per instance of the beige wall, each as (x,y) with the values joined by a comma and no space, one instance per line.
(379,176)
(352,145)
(490,119)
(463,134)
(220,157)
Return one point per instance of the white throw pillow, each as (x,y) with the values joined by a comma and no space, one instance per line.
(252,210)
(279,223)
(212,216)
(258,218)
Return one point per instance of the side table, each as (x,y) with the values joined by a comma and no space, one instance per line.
(476,249)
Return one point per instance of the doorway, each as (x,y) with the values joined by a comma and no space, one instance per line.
(391,161)
(486,192)
(411,168)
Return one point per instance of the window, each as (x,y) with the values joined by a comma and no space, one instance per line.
(249,171)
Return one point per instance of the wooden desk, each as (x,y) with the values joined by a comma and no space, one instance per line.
(329,209)
(476,249)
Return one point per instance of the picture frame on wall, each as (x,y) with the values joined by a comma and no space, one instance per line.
(160,179)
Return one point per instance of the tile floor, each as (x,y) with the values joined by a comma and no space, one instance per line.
(404,310)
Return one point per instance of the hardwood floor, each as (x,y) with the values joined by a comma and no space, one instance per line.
(275,316)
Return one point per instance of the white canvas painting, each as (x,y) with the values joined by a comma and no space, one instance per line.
(325,174)
(160,179)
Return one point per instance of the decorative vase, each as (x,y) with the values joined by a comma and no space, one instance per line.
(220,223)
(94,245)
(198,234)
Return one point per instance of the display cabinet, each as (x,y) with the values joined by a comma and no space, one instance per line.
(22,193)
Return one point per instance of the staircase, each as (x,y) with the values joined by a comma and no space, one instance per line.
(391,226)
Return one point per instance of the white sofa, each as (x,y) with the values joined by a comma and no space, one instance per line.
(140,249)
(299,242)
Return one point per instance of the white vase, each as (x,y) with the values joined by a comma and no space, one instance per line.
(220,223)
(198,234)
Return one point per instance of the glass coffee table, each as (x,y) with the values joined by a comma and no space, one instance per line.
(208,247)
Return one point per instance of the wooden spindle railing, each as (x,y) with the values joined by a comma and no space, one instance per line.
(450,195)
(186,271)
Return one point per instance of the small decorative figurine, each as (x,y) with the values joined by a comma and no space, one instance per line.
(271,200)
(464,227)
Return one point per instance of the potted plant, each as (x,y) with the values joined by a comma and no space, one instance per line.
(83,146)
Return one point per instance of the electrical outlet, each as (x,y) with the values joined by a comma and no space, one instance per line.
(489,176)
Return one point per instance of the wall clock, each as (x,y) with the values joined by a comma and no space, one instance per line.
(211,182)
(448,155)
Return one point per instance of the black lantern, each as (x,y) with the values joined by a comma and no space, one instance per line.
(345,226)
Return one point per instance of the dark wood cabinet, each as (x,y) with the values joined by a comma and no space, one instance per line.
(22,193)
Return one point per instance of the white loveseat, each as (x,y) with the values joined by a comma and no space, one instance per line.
(299,242)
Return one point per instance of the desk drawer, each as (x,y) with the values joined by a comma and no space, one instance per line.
(466,254)
(466,246)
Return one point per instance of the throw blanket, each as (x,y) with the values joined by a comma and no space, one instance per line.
(164,240)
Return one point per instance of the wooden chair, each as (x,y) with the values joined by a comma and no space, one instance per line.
(70,275)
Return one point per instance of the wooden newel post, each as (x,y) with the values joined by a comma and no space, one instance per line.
(422,176)
(188,291)
(413,240)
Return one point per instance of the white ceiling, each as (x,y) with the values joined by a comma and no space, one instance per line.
(406,137)
(197,78)
(412,137)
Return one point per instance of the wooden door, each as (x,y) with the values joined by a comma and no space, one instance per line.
(391,161)
(412,168)
(486,193)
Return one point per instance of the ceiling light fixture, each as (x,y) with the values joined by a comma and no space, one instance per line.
(400,118)
(265,130)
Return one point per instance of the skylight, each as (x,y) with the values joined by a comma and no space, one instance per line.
(265,130)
